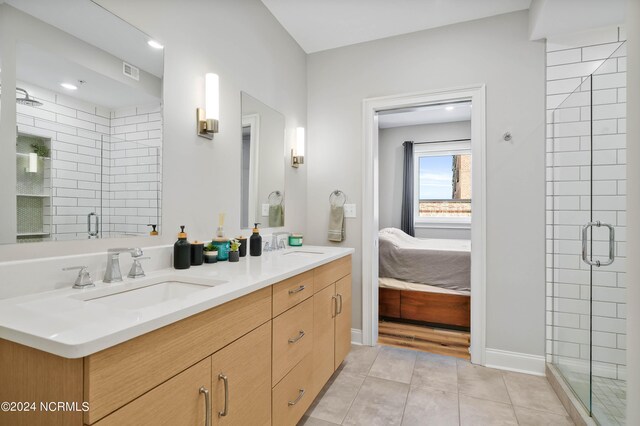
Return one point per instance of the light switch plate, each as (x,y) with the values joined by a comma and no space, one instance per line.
(349,210)
(265,210)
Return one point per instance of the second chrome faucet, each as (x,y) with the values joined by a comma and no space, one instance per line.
(113,274)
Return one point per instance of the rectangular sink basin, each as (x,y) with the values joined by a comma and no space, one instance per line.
(150,295)
(301,252)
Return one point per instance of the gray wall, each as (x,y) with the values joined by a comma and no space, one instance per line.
(391,154)
(258,57)
(633,212)
(495,51)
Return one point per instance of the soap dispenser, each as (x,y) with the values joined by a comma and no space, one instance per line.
(255,242)
(182,251)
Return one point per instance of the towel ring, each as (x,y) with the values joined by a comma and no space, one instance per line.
(275,198)
(337,198)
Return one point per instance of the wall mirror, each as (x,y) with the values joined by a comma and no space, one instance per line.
(84,146)
(263,164)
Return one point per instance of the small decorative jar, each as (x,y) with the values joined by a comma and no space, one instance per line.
(295,240)
(222,244)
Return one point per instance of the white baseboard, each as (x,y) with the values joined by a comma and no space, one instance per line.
(356,336)
(515,361)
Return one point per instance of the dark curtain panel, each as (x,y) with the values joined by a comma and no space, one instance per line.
(406,223)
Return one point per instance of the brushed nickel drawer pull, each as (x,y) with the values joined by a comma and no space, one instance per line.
(334,310)
(297,290)
(224,378)
(295,401)
(207,405)
(340,311)
(298,337)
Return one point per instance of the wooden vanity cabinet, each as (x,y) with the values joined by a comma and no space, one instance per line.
(260,359)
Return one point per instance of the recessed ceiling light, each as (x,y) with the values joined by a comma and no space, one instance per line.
(155,44)
(69,86)
(449,108)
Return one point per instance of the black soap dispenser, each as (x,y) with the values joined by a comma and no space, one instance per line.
(182,251)
(255,242)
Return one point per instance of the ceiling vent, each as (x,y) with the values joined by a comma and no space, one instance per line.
(131,71)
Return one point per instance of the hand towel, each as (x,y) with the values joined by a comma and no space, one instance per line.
(276,216)
(336,224)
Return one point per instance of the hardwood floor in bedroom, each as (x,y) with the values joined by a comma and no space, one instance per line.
(423,338)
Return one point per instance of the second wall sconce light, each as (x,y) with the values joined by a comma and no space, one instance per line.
(297,153)
(207,118)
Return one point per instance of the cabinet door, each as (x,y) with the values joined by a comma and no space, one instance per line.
(245,366)
(324,312)
(178,401)
(343,320)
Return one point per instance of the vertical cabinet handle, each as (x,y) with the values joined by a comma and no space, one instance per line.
(340,311)
(334,310)
(295,401)
(89,231)
(225,380)
(612,243)
(207,404)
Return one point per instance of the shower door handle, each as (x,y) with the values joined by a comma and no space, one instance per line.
(93,233)
(612,241)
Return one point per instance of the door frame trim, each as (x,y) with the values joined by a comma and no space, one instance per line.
(370,213)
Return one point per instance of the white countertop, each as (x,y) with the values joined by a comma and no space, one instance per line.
(64,323)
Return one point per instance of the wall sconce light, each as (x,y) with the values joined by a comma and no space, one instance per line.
(208,117)
(297,153)
(33,163)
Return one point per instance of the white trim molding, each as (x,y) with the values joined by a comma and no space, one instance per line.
(356,336)
(515,361)
(370,215)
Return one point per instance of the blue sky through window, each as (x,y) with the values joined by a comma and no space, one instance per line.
(436,177)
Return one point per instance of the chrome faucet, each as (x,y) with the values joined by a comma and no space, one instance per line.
(277,244)
(84,277)
(113,273)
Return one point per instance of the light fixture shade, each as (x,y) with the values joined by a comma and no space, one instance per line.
(300,141)
(33,163)
(212,96)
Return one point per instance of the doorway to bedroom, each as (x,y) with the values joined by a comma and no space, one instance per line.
(424,251)
(425,286)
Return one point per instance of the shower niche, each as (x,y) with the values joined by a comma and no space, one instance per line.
(33,188)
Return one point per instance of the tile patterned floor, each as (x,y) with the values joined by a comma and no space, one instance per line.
(391,386)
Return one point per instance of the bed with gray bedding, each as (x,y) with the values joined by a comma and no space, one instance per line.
(435,262)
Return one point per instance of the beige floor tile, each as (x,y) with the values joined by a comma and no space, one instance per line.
(482,382)
(394,364)
(379,403)
(528,417)
(534,392)
(435,371)
(310,421)
(360,359)
(334,404)
(431,407)
(481,412)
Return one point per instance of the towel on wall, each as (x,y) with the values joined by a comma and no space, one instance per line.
(336,224)
(276,215)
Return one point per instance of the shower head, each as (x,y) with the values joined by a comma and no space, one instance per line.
(27,100)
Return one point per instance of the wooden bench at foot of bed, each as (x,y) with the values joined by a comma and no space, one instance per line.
(433,308)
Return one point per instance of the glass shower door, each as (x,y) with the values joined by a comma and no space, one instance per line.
(586,233)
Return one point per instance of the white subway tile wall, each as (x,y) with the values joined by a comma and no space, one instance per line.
(102,161)
(571,196)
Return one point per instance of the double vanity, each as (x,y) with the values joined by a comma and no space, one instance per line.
(248,343)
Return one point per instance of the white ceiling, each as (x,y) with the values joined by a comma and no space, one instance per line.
(327,24)
(87,21)
(45,70)
(429,114)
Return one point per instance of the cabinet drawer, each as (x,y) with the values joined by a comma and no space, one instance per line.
(289,293)
(177,401)
(331,272)
(292,396)
(118,375)
(292,338)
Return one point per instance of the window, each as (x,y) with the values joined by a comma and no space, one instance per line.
(443,183)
